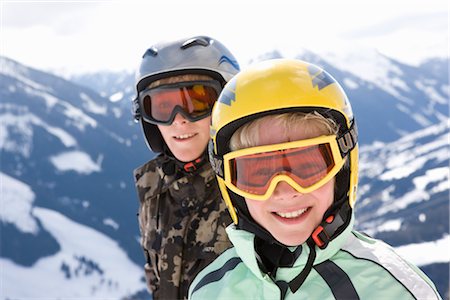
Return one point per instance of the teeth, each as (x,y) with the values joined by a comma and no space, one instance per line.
(185,136)
(292,214)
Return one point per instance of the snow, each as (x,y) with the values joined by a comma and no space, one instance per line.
(77,161)
(79,118)
(117,112)
(116,97)
(421,120)
(89,265)
(420,193)
(111,222)
(437,252)
(386,193)
(371,66)
(435,129)
(405,156)
(403,170)
(446,89)
(19,72)
(422,217)
(350,84)
(16,204)
(433,175)
(391,225)
(21,125)
(62,135)
(400,203)
(91,106)
(50,100)
(409,158)
(404,164)
(432,94)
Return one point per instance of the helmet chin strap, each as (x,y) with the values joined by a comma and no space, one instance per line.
(172,165)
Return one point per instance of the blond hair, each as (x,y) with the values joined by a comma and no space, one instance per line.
(313,122)
(179,78)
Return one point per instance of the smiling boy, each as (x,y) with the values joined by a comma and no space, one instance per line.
(284,148)
(181,218)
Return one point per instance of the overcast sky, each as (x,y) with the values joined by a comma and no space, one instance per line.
(79,36)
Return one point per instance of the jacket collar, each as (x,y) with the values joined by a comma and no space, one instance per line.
(151,175)
(244,241)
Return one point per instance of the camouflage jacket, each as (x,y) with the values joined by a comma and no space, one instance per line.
(182,221)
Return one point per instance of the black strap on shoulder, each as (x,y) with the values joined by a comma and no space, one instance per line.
(218,274)
(338,281)
(297,282)
(270,256)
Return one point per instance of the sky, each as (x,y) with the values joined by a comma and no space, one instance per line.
(88,36)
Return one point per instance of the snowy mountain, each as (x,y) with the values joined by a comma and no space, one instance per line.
(68,150)
(68,200)
(390,99)
(403,198)
(112,85)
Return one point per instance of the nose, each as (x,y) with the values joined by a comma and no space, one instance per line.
(284,190)
(179,119)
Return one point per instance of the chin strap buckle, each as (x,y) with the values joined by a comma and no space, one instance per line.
(325,231)
(192,165)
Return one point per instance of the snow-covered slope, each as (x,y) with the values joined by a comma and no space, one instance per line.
(68,200)
(88,263)
(115,86)
(403,198)
(389,99)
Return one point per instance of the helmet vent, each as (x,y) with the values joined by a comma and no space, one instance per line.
(200,41)
(150,51)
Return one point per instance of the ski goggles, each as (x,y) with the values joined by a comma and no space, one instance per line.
(194,100)
(306,165)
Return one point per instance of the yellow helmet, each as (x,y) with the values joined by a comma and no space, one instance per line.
(278,86)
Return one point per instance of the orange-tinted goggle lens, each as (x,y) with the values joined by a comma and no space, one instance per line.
(194,100)
(305,165)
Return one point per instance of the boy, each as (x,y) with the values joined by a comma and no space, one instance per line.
(181,219)
(284,148)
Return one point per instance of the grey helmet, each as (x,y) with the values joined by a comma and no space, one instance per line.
(197,55)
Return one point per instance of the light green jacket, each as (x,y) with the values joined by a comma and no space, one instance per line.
(353,266)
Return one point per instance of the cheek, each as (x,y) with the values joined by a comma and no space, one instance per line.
(165,131)
(326,194)
(255,208)
(204,125)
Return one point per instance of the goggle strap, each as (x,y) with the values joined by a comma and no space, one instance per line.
(213,83)
(215,160)
(348,140)
(136,109)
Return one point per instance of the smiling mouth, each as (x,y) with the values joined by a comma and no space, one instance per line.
(292,214)
(185,136)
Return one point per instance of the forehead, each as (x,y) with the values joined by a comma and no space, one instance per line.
(273,130)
